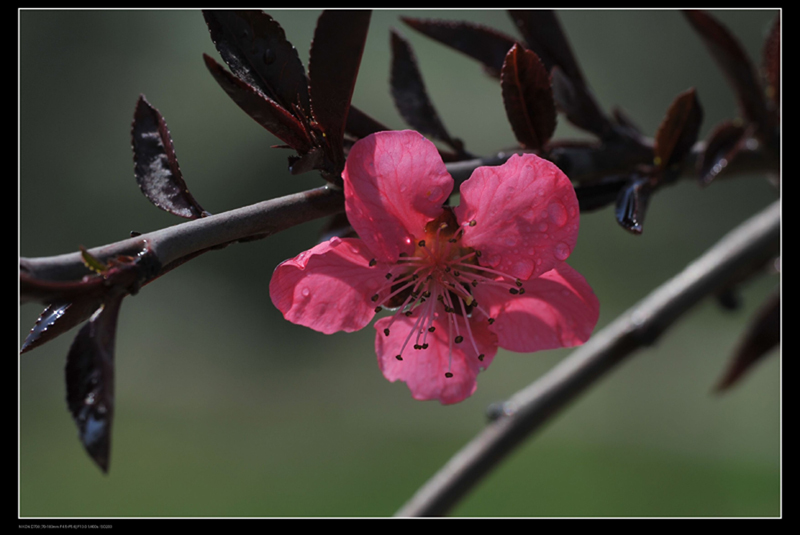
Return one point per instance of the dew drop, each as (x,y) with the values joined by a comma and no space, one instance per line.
(510,241)
(558,214)
(562,251)
(306,292)
(542,227)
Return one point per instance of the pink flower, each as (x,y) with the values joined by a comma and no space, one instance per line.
(463,281)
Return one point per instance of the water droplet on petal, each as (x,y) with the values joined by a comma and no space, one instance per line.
(542,227)
(510,241)
(335,241)
(562,251)
(306,292)
(558,214)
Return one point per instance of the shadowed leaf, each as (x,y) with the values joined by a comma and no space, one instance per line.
(58,319)
(735,64)
(578,105)
(261,108)
(90,381)
(762,336)
(479,42)
(772,62)
(255,48)
(678,130)
(544,35)
(333,66)
(155,165)
(632,202)
(313,159)
(528,98)
(722,145)
(410,96)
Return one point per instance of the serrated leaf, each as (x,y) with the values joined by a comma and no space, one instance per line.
(762,335)
(632,202)
(90,381)
(479,42)
(543,34)
(678,130)
(156,166)
(333,65)
(722,145)
(528,98)
(409,94)
(261,108)
(256,50)
(58,319)
(733,61)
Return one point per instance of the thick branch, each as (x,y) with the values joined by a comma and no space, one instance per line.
(749,245)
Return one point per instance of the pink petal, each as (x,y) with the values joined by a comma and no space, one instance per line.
(558,309)
(525,213)
(423,370)
(329,287)
(394,183)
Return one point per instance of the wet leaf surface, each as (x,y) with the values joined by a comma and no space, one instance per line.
(156,166)
(528,98)
(58,319)
(722,145)
(632,202)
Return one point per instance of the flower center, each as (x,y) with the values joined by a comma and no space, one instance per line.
(436,282)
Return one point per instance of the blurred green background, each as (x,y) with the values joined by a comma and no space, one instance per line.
(225,409)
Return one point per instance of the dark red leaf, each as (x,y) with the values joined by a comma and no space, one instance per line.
(678,130)
(58,319)
(313,159)
(735,64)
(772,62)
(722,145)
(359,124)
(528,98)
(155,165)
(599,194)
(90,381)
(255,48)
(333,66)
(579,105)
(410,96)
(261,108)
(762,336)
(479,42)
(544,35)
(632,202)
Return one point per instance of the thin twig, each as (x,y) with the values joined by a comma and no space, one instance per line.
(749,245)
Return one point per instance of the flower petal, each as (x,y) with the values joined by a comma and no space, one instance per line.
(423,370)
(329,287)
(394,183)
(558,309)
(525,212)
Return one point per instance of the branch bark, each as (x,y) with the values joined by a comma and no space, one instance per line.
(745,248)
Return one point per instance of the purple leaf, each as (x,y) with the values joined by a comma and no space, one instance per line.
(261,108)
(678,130)
(544,35)
(90,381)
(599,194)
(410,96)
(479,42)
(528,98)
(255,48)
(155,165)
(722,145)
(632,202)
(333,66)
(762,336)
(735,64)
(58,319)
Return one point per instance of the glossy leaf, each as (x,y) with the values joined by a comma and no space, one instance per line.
(632,202)
(678,130)
(58,319)
(528,98)
(479,42)
(261,108)
(722,145)
(256,50)
(410,96)
(761,337)
(90,381)
(156,166)
(599,194)
(772,62)
(333,66)
(735,64)
(543,33)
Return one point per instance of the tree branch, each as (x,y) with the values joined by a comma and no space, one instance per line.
(739,252)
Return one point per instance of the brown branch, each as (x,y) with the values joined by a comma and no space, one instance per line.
(751,244)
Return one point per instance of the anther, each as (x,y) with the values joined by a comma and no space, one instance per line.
(521,291)
(424,346)
(513,291)
(417,346)
(473,223)
(372,262)
(398,357)
(388,276)
(480,357)
(478,254)
(474,283)
(378,309)
(408,313)
(457,273)
(459,339)
(491,320)
(518,283)
(422,243)
(374,297)
(448,375)
(431,329)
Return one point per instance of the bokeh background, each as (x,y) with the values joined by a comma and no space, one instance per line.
(225,409)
